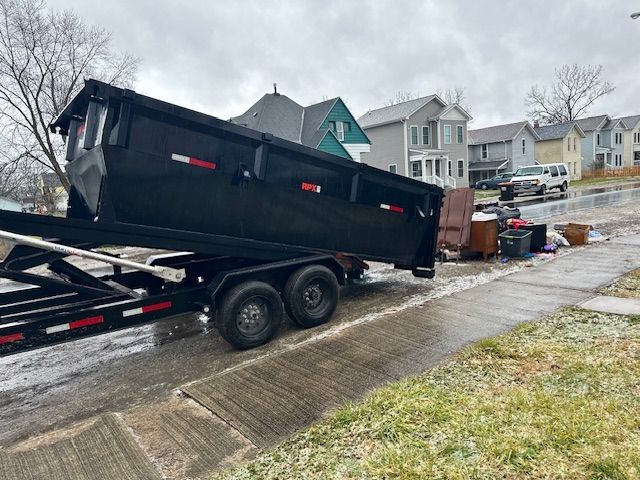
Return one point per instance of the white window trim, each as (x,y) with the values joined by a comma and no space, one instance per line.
(392,165)
(484,153)
(421,163)
(523,146)
(340,131)
(444,135)
(460,128)
(411,135)
(428,135)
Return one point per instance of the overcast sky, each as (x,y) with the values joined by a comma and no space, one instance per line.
(221,56)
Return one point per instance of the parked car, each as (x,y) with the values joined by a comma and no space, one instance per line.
(541,178)
(492,183)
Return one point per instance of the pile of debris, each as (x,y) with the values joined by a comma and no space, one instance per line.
(488,229)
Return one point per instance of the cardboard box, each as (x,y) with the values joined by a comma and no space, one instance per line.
(576,233)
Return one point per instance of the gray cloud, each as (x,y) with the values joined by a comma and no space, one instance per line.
(221,56)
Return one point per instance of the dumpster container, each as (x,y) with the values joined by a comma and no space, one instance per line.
(136,160)
(506,192)
(514,243)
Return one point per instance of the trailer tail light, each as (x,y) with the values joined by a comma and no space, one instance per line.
(146,309)
(193,161)
(393,208)
(85,322)
(14,337)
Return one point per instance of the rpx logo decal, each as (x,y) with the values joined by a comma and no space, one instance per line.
(310,187)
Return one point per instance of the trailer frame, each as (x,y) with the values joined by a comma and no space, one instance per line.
(66,302)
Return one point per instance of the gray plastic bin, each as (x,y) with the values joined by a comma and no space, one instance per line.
(514,243)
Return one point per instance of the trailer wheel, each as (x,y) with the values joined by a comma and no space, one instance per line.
(311,295)
(250,314)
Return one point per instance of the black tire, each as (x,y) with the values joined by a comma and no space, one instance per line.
(563,187)
(311,295)
(543,190)
(484,186)
(250,314)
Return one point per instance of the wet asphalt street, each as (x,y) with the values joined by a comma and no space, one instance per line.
(558,203)
(54,386)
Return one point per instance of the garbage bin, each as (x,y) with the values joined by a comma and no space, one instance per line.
(514,243)
(506,192)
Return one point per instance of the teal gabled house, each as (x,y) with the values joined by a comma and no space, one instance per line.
(328,126)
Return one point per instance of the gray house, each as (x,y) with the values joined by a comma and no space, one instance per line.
(595,149)
(425,139)
(501,148)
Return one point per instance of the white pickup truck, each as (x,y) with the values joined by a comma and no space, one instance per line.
(540,178)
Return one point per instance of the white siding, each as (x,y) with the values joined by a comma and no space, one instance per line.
(355,149)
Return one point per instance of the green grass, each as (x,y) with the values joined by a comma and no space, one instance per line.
(627,286)
(598,180)
(555,399)
(484,194)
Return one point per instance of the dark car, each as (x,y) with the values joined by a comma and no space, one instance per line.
(494,181)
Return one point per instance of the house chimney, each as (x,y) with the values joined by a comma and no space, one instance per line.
(275,89)
(536,124)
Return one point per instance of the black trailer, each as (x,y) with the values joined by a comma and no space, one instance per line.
(255,224)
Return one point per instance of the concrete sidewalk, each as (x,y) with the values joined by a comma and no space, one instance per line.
(260,404)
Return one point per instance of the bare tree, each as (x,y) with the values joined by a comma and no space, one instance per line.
(455,95)
(400,97)
(44,57)
(574,90)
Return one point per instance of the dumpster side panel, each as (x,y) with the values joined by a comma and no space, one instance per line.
(165,166)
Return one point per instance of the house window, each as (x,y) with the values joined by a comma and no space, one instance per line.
(393,167)
(574,144)
(597,139)
(460,168)
(347,126)
(449,168)
(437,167)
(416,169)
(460,133)
(447,134)
(568,144)
(332,126)
(425,135)
(414,134)
(524,146)
(340,131)
(485,151)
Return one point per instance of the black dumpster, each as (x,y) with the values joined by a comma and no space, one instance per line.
(136,160)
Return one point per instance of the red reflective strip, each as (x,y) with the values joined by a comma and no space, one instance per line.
(201,163)
(86,322)
(14,337)
(155,307)
(393,208)
(80,129)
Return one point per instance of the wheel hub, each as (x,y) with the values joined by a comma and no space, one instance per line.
(312,296)
(252,316)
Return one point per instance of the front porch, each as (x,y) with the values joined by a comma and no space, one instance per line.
(485,169)
(432,166)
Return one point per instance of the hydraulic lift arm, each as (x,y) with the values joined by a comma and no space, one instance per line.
(166,273)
